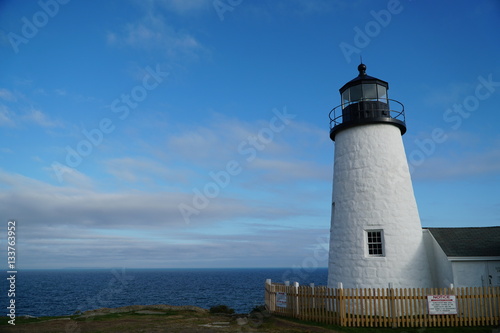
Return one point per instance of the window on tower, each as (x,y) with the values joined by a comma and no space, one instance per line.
(375,242)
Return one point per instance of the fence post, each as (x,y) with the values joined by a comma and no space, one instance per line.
(296,291)
(392,305)
(268,297)
(313,303)
(341,308)
(289,299)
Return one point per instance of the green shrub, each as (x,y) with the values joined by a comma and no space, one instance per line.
(221,309)
(260,308)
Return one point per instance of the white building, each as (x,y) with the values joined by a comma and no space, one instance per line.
(466,257)
(376,236)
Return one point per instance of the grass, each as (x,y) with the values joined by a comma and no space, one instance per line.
(419,330)
(475,329)
(123,314)
(104,322)
(4,320)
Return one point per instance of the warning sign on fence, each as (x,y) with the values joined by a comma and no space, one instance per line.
(281,300)
(442,304)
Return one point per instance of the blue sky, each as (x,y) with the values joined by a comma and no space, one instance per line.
(195,133)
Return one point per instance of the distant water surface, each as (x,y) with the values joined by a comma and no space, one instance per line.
(63,292)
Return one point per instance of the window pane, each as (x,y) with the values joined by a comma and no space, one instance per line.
(345,97)
(375,246)
(382,93)
(355,93)
(370,91)
(375,249)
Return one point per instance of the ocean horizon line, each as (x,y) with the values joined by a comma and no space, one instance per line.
(156,268)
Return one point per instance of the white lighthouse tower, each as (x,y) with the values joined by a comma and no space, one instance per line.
(376,236)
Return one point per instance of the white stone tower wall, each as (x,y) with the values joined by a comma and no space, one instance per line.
(372,190)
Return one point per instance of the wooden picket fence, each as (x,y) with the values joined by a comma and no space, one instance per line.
(389,307)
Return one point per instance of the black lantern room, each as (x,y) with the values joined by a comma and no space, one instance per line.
(364,101)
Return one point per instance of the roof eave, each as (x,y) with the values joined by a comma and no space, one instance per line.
(472,258)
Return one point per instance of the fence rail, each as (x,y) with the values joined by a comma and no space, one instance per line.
(383,307)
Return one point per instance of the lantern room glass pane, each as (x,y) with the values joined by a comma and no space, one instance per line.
(370,92)
(382,93)
(345,98)
(355,93)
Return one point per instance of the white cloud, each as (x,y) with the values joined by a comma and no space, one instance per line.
(186,6)
(308,7)
(210,145)
(222,139)
(446,96)
(6,116)
(38,117)
(34,202)
(187,156)
(111,38)
(152,32)
(141,229)
(7,95)
(87,248)
(18,109)
(279,170)
(6,150)
(143,170)
(465,165)
(69,175)
(296,8)
(179,7)
(142,226)
(60,92)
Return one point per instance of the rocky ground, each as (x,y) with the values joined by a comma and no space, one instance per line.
(156,319)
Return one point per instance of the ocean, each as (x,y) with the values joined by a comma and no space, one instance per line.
(65,292)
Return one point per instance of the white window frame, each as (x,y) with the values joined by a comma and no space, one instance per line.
(368,243)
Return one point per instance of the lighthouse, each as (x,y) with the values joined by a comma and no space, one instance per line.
(376,237)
